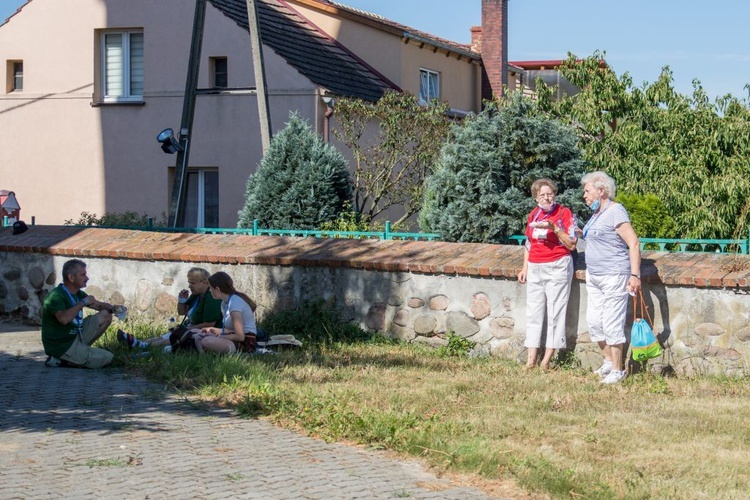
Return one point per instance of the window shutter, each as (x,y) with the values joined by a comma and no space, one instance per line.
(113,85)
(136,64)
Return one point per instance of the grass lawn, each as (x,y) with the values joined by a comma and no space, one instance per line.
(557,434)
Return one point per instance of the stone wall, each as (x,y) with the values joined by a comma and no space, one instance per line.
(416,291)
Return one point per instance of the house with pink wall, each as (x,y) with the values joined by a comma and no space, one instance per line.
(90,83)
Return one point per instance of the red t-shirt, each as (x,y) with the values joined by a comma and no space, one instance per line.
(549,248)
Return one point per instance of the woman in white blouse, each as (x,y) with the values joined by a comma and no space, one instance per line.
(239,332)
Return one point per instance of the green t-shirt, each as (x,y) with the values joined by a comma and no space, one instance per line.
(56,337)
(208,309)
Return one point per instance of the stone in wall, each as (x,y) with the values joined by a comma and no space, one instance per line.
(165,304)
(375,319)
(144,295)
(117,299)
(480,306)
(401,333)
(12,274)
(439,302)
(3,290)
(721,352)
(502,328)
(401,318)
(415,303)
(743,335)
(97,292)
(23,293)
(482,337)
(167,281)
(709,330)
(461,324)
(507,303)
(51,278)
(425,324)
(395,300)
(434,342)
(36,277)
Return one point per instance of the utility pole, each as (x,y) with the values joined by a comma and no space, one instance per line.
(260,74)
(179,184)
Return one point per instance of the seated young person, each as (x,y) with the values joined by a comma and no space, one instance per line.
(239,331)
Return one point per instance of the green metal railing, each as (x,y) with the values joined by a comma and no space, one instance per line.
(737,246)
(386,234)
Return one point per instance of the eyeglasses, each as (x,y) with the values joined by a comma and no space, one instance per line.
(545,195)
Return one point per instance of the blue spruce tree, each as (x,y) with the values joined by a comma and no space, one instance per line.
(301,182)
(480,189)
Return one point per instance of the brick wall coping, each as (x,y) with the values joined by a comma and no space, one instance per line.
(465,259)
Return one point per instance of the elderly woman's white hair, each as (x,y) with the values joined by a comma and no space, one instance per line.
(602,181)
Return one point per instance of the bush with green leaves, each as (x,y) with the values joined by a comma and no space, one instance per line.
(648,215)
(116,219)
(480,190)
(301,183)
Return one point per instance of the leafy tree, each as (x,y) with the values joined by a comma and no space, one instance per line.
(692,154)
(480,189)
(390,166)
(301,183)
(649,216)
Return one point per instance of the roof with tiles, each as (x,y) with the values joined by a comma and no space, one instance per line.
(313,53)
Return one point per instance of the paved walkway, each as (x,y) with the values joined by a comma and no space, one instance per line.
(74,433)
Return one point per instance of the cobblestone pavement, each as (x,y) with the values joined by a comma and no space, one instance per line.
(74,433)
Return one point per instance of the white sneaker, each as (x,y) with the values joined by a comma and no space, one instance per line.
(605,369)
(52,362)
(614,377)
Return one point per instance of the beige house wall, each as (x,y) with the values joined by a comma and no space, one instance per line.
(62,156)
(399,61)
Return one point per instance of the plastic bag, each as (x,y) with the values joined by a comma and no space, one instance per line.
(643,343)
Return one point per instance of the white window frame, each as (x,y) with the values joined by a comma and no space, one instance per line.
(201,195)
(429,84)
(127,94)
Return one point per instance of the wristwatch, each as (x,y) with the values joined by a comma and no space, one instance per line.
(636,275)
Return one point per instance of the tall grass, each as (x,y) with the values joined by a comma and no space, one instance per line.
(559,434)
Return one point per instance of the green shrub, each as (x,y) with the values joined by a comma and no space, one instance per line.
(115,219)
(301,183)
(649,216)
(480,191)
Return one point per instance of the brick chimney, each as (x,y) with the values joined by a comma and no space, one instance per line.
(494,47)
(476,39)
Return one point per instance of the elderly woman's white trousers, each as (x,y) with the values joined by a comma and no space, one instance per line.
(607,307)
(547,291)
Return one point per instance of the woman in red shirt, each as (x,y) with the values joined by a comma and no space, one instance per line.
(547,271)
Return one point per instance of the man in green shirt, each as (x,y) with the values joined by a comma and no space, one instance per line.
(66,335)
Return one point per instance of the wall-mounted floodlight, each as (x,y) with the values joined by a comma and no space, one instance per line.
(168,142)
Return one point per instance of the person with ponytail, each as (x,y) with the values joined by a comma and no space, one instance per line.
(547,271)
(239,330)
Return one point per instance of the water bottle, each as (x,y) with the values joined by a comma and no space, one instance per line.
(573,227)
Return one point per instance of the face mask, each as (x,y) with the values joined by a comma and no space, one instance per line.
(546,208)
(595,205)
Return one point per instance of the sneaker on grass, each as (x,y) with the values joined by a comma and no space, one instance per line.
(614,377)
(605,369)
(54,362)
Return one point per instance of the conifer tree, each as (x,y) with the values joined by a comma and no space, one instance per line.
(301,182)
(480,190)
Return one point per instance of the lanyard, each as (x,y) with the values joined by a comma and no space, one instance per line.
(594,218)
(195,304)
(78,320)
(541,212)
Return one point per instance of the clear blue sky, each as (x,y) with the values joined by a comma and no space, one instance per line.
(706,40)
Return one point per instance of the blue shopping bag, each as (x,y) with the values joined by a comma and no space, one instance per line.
(643,343)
